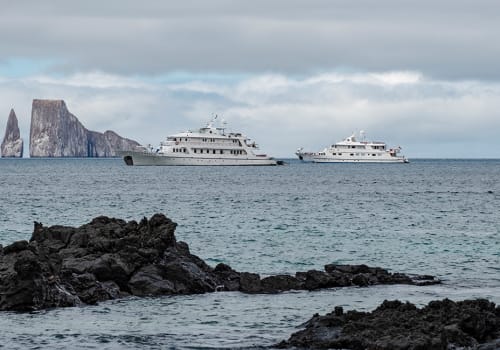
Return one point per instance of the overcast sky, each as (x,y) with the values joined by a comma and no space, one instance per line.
(424,75)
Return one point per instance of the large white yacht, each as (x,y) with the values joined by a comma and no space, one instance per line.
(351,150)
(207,146)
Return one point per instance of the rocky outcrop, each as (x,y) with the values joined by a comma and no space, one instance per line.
(111,258)
(12,144)
(55,132)
(469,324)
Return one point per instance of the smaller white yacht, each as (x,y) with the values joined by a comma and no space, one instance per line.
(350,150)
(210,145)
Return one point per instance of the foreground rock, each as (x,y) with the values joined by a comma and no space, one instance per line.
(12,144)
(55,132)
(110,258)
(469,324)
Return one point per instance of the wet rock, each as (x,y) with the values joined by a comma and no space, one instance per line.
(279,283)
(110,258)
(444,324)
(250,282)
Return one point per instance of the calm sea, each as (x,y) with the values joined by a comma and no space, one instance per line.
(436,217)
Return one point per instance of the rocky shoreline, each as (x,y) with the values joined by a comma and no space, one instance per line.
(110,258)
(394,325)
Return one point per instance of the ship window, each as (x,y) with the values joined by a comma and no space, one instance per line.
(374,154)
(195,150)
(185,150)
(352,154)
(221,152)
(214,152)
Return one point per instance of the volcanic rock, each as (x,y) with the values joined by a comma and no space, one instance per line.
(394,325)
(55,132)
(12,144)
(111,258)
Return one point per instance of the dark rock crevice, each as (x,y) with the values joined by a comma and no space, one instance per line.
(111,258)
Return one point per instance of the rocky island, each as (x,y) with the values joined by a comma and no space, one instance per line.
(55,132)
(110,258)
(12,144)
(394,325)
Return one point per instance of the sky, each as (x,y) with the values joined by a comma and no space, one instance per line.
(424,75)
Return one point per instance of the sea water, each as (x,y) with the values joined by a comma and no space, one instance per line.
(437,217)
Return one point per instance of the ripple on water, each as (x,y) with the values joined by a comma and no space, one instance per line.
(435,217)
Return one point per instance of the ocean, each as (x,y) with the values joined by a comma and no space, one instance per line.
(438,217)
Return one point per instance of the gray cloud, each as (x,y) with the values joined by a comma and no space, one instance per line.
(445,39)
(427,117)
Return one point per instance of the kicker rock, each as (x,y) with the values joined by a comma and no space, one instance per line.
(55,132)
(12,145)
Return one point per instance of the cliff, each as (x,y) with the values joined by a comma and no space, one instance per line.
(55,132)
(12,144)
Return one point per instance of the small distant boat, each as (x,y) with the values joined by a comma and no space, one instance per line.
(207,146)
(351,150)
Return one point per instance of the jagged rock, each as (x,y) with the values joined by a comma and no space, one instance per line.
(12,144)
(111,258)
(55,132)
(445,324)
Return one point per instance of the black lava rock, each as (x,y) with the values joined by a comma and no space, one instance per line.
(394,325)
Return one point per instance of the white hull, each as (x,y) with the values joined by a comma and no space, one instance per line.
(352,151)
(332,159)
(150,158)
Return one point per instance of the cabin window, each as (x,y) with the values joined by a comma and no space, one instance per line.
(214,151)
(195,150)
(221,152)
(374,154)
(351,154)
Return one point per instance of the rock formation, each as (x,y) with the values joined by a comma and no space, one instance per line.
(12,144)
(469,324)
(55,132)
(110,258)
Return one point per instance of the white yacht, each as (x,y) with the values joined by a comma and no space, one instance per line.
(207,146)
(351,150)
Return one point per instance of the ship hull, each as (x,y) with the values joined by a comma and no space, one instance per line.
(315,158)
(154,159)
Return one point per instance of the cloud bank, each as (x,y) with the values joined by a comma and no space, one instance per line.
(290,73)
(446,39)
(427,117)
